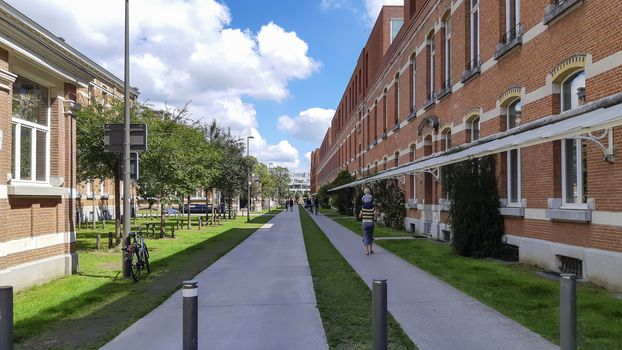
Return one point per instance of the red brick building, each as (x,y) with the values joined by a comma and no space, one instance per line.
(536,83)
(42,83)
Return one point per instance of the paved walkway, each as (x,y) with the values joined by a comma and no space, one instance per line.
(435,315)
(258,296)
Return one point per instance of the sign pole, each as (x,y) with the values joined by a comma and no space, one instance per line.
(126,142)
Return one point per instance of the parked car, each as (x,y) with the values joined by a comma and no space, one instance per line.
(198,208)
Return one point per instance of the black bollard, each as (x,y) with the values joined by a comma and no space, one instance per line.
(6,317)
(190,315)
(568,312)
(379,314)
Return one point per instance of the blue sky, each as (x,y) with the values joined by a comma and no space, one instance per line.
(274,69)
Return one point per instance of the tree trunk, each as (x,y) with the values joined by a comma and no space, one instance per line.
(188,212)
(206,205)
(161,218)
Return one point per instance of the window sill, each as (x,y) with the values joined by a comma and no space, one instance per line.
(412,115)
(512,211)
(428,103)
(553,11)
(384,135)
(573,215)
(34,190)
(396,127)
(411,204)
(504,48)
(468,74)
(443,93)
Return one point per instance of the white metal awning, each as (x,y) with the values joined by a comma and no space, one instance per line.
(567,125)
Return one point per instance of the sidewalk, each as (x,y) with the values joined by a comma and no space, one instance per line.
(258,296)
(435,315)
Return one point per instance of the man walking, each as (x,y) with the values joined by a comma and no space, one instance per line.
(291,204)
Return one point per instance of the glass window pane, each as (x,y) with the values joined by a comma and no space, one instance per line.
(30,101)
(514,176)
(14,150)
(25,166)
(571,171)
(41,151)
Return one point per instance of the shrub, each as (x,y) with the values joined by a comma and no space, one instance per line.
(477,225)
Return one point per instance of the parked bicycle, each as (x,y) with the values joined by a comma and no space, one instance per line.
(136,255)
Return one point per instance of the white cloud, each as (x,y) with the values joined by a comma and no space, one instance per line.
(185,50)
(308,156)
(310,125)
(282,153)
(373,7)
(336,4)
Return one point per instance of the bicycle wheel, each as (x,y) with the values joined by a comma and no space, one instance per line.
(136,267)
(145,257)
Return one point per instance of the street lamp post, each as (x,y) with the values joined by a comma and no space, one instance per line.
(248,198)
(270,196)
(126,140)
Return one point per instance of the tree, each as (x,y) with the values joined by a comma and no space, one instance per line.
(282,179)
(477,225)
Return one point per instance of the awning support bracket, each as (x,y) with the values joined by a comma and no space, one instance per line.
(598,140)
(434,172)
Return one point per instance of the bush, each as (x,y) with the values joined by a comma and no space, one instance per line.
(389,199)
(477,225)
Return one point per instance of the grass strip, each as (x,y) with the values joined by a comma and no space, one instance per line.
(86,310)
(343,299)
(515,290)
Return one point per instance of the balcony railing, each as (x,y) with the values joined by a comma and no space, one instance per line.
(508,40)
(473,67)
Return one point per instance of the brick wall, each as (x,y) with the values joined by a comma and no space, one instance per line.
(589,28)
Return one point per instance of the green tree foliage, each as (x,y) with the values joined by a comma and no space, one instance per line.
(477,225)
(389,199)
(343,199)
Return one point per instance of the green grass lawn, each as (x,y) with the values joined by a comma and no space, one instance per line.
(343,298)
(352,223)
(515,291)
(86,310)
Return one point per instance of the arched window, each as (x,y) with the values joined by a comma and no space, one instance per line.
(473,34)
(574,151)
(430,66)
(412,152)
(396,159)
(514,113)
(396,99)
(445,139)
(514,110)
(446,52)
(474,128)
(413,84)
(384,163)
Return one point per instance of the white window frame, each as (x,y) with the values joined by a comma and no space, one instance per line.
(397,97)
(414,189)
(446,132)
(391,24)
(579,163)
(448,49)
(579,156)
(431,65)
(18,123)
(472,124)
(414,81)
(519,198)
(474,14)
(508,18)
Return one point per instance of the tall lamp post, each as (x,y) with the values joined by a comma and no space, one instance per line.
(248,198)
(126,140)
(269,174)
